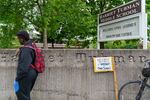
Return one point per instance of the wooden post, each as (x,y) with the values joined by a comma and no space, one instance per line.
(115,83)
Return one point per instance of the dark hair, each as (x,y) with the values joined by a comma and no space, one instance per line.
(24,35)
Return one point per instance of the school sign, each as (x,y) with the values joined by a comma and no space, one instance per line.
(128,21)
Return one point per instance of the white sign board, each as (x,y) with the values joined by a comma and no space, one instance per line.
(125,29)
(128,21)
(103,64)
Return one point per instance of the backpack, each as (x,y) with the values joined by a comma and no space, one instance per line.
(39,64)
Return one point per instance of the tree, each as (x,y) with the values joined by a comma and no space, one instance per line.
(148,14)
(10,22)
(58,21)
(72,20)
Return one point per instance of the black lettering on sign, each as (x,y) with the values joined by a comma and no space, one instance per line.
(131,58)
(51,58)
(81,57)
(13,58)
(142,58)
(3,58)
(119,59)
(60,57)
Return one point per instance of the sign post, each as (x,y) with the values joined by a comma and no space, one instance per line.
(106,64)
(144,18)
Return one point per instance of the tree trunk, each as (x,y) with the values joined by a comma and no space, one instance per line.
(45,45)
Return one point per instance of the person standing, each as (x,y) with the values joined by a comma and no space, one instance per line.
(26,75)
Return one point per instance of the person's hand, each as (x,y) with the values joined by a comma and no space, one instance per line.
(16,86)
(17,52)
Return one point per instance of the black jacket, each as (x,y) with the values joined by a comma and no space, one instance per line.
(26,58)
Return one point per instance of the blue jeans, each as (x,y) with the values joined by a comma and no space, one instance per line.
(25,85)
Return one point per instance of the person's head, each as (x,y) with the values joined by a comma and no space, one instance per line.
(23,36)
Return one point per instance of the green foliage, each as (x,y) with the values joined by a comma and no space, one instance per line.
(73,22)
(128,44)
(5,37)
(11,21)
(148,14)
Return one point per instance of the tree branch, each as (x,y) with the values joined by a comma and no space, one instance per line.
(39,6)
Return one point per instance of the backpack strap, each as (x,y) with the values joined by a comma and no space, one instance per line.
(29,47)
(34,45)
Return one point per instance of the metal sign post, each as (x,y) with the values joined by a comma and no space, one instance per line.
(144,24)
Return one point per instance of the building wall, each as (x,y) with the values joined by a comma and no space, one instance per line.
(69,74)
